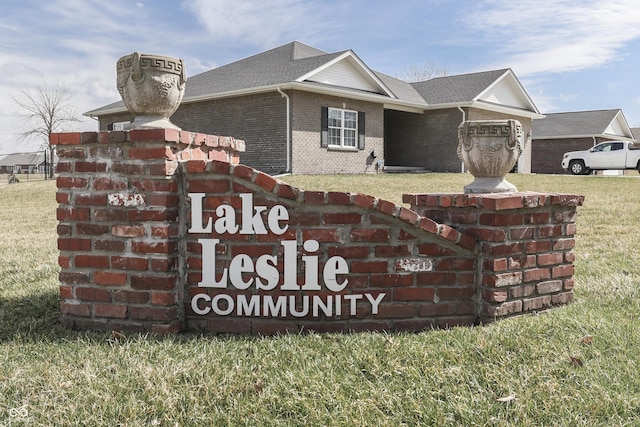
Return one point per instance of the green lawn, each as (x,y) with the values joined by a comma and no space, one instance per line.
(577,365)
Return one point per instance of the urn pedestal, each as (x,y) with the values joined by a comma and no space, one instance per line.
(489,150)
(151,87)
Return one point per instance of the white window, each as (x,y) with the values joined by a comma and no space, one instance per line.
(343,128)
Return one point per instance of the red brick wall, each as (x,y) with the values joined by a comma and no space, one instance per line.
(526,241)
(119,205)
(133,256)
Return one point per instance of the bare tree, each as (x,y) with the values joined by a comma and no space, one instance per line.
(46,109)
(414,73)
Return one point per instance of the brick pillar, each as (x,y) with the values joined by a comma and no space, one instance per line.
(119,232)
(527,240)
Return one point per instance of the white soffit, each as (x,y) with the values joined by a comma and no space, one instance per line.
(348,72)
(508,92)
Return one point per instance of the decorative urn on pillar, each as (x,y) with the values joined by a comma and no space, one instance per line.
(489,149)
(151,87)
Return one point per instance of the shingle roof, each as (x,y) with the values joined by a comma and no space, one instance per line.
(289,62)
(22,159)
(574,123)
(458,88)
(281,65)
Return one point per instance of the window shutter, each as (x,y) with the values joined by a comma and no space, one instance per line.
(361,130)
(324,127)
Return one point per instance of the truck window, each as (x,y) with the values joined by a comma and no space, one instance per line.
(617,146)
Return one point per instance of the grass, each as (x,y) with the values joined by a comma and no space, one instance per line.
(541,367)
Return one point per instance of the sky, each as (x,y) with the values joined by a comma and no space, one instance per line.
(569,55)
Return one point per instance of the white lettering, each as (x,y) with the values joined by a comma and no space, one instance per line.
(215,304)
(194,304)
(241,269)
(241,264)
(276,214)
(334,266)
(209,265)
(251,222)
(251,308)
(251,217)
(282,306)
(290,266)
(269,308)
(305,306)
(375,302)
(310,266)
(264,273)
(318,304)
(226,222)
(196,214)
(266,268)
(353,299)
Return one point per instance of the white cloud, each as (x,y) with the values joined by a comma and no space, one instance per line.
(262,23)
(540,36)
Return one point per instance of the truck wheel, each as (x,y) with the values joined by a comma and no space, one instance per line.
(638,167)
(576,167)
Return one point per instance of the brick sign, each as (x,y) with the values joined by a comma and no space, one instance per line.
(165,231)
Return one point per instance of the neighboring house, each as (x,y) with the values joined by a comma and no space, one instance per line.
(559,133)
(23,163)
(305,111)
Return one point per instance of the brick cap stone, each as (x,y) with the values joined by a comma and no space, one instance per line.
(148,135)
(492,201)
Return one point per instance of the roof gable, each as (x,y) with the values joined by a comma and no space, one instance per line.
(507,91)
(497,87)
(619,126)
(456,89)
(348,71)
(582,124)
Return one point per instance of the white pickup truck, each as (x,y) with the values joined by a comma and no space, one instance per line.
(612,155)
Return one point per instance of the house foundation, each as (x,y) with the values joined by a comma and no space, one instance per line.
(164,230)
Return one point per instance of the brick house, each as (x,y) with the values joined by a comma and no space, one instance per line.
(559,133)
(305,111)
(23,163)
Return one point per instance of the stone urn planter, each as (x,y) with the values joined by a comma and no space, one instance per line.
(489,149)
(151,87)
